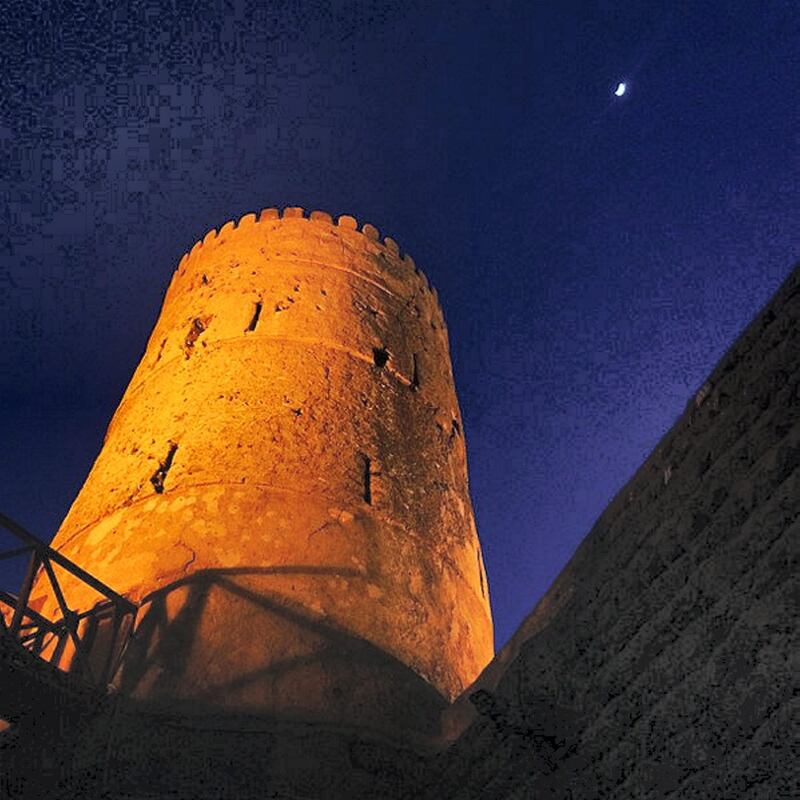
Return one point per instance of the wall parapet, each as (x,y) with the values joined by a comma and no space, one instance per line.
(387,246)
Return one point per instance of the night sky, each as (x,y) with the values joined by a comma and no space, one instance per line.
(594,255)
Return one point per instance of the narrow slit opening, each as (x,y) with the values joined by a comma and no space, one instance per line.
(380,355)
(256,315)
(159,476)
(415,374)
(367,480)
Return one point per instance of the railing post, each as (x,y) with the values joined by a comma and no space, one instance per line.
(38,642)
(70,618)
(58,649)
(24,594)
(116,624)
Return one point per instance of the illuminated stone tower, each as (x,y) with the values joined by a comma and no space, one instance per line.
(284,487)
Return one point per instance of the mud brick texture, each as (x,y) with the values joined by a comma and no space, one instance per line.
(664,660)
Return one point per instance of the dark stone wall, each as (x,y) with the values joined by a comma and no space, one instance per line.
(663,661)
(125,754)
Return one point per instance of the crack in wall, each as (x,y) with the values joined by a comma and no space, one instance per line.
(192,559)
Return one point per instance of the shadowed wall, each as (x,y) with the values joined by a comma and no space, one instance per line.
(663,661)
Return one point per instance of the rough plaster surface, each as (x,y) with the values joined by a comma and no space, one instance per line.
(284,487)
(663,661)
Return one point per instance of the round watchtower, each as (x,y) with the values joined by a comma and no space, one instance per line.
(284,486)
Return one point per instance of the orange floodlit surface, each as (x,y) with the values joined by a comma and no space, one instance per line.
(284,485)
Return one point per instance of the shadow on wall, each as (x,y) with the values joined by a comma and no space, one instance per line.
(217,686)
(225,640)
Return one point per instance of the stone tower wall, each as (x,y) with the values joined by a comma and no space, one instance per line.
(663,661)
(284,484)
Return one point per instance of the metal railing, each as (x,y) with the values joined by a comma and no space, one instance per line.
(48,639)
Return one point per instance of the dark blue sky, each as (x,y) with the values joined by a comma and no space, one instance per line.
(594,255)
